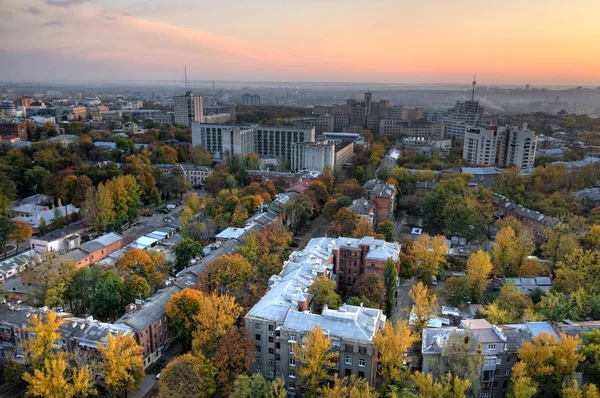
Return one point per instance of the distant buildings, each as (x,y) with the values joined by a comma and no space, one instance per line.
(10,128)
(589,197)
(96,250)
(188,109)
(249,99)
(194,174)
(504,145)
(318,156)
(410,128)
(320,123)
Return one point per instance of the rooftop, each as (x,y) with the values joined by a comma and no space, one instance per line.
(362,206)
(380,188)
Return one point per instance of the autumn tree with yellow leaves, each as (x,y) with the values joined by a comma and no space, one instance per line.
(122,363)
(428,254)
(479,268)
(392,344)
(188,376)
(54,379)
(43,333)
(425,308)
(315,357)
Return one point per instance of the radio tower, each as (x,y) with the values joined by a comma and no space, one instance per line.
(473,91)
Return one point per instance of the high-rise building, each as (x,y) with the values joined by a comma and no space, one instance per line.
(480,145)
(503,146)
(313,156)
(188,109)
(321,124)
(266,141)
(249,99)
(411,128)
(9,108)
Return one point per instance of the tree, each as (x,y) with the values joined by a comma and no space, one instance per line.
(107,300)
(6,231)
(533,268)
(250,386)
(215,318)
(559,243)
(323,292)
(428,254)
(226,274)
(22,232)
(135,288)
(148,264)
(457,291)
(55,380)
(521,385)
(390,282)
(513,302)
(579,269)
(43,332)
(370,286)
(392,345)
(201,156)
(344,223)
(464,356)
(122,364)
(187,376)
(98,208)
(448,387)
(182,309)
(425,306)
(591,350)
(186,250)
(511,250)
(574,391)
(386,229)
(249,249)
(349,387)
(479,268)
(233,357)
(315,357)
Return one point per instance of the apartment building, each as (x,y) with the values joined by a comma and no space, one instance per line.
(280,320)
(534,220)
(266,141)
(480,145)
(517,147)
(354,257)
(320,123)
(344,151)
(194,174)
(249,99)
(188,109)
(411,128)
(499,346)
(384,196)
(314,156)
(365,209)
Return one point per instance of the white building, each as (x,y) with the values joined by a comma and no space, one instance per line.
(518,147)
(313,156)
(188,109)
(480,145)
(266,141)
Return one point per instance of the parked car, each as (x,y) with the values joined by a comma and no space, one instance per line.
(165,210)
(171,206)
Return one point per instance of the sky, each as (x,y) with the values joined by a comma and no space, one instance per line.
(543,42)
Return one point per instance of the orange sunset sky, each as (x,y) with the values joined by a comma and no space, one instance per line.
(505,42)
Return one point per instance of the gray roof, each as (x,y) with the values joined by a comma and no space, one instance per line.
(349,322)
(426,184)
(90,330)
(476,171)
(592,194)
(380,188)
(362,206)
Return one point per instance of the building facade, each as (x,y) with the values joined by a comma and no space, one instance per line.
(314,156)
(480,145)
(384,196)
(188,109)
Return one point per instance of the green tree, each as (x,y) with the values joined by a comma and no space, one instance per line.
(386,229)
(457,291)
(390,282)
(464,357)
(186,250)
(250,386)
(323,292)
(559,243)
(591,350)
(135,288)
(6,231)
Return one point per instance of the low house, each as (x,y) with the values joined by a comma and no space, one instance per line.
(589,197)
(422,188)
(365,209)
(48,215)
(60,240)
(528,285)
(14,265)
(96,250)
(384,196)
(534,220)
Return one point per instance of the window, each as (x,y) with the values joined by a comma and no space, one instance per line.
(271,339)
(257,325)
(505,384)
(271,374)
(485,396)
(491,346)
(258,348)
(257,337)
(271,351)
(361,374)
(292,385)
(292,338)
(292,361)
(498,361)
(361,362)
(292,374)
(271,328)
(271,362)
(506,372)
(258,360)
(362,350)
(347,372)
(348,360)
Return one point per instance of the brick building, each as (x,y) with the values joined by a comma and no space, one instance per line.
(384,196)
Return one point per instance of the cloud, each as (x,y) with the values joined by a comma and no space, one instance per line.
(64,3)
(34,11)
(50,24)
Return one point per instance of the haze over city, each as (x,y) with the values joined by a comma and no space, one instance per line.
(434,41)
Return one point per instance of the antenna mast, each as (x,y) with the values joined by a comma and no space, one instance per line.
(185,77)
(473,91)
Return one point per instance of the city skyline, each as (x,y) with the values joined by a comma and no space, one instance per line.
(542,43)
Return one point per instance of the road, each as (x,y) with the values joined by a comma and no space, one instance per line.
(403,301)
